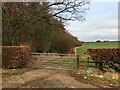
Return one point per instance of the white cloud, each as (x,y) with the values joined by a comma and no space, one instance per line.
(94,30)
(101,23)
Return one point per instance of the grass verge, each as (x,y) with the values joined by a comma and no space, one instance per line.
(14,71)
(98,76)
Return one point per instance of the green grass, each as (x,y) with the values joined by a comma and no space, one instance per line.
(112,81)
(14,71)
(70,63)
(66,63)
(81,50)
(80,74)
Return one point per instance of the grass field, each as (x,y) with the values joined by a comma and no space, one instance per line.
(81,50)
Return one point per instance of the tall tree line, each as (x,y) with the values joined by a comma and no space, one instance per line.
(35,24)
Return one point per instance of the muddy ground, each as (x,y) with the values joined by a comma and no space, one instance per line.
(47,78)
(43,77)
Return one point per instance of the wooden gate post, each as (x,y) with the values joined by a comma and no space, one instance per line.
(88,62)
(78,61)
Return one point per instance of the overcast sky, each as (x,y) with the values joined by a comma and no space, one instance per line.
(101,23)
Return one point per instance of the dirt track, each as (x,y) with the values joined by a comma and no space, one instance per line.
(44,78)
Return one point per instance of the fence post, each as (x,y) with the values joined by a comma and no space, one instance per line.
(37,56)
(88,61)
(78,61)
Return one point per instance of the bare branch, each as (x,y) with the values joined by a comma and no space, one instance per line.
(73,8)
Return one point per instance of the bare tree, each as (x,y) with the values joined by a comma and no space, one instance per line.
(69,9)
(35,21)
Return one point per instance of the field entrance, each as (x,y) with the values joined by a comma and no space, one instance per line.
(53,61)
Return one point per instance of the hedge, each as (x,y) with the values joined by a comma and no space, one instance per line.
(15,56)
(105,56)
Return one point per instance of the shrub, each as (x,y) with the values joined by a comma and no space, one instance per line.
(105,56)
(15,56)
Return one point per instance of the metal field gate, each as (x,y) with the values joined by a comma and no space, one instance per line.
(53,60)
